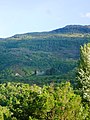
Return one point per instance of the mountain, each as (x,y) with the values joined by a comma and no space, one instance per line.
(73,29)
(42,57)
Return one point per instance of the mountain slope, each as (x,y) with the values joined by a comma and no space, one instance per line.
(26,56)
(73,29)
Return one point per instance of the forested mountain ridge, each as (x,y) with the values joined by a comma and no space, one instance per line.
(69,29)
(31,56)
(74,29)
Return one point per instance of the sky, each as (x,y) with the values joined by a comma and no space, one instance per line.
(22,16)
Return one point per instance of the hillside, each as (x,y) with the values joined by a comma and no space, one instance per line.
(32,57)
(74,29)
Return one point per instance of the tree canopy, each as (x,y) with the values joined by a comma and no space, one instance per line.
(24,102)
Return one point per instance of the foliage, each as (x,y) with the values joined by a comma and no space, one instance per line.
(84,71)
(24,102)
(5,114)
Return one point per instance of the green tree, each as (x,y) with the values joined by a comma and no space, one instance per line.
(20,101)
(68,105)
(83,76)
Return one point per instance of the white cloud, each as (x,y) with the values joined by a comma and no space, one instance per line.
(86,15)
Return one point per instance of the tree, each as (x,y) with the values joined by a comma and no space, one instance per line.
(83,75)
(68,105)
(20,101)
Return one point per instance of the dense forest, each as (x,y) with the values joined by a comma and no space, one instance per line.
(46,76)
(40,58)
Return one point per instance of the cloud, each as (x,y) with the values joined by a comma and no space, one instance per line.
(86,15)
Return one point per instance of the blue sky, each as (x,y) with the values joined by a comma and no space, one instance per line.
(22,16)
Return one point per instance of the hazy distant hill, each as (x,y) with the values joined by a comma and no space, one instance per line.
(46,53)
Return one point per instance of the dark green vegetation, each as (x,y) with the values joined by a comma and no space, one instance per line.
(44,57)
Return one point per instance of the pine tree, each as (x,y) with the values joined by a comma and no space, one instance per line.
(83,76)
